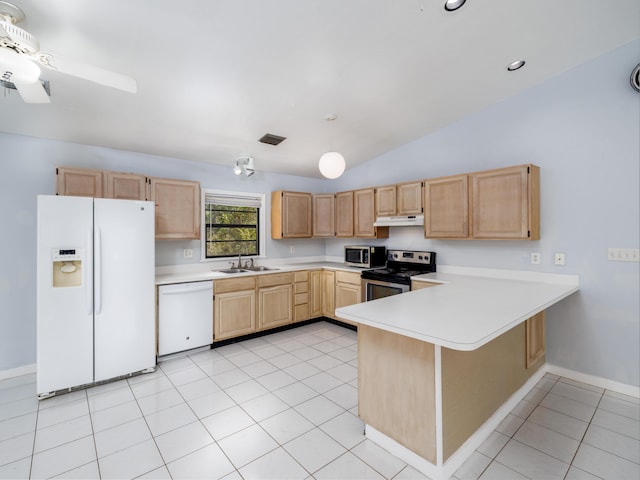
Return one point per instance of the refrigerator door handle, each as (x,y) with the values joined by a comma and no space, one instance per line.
(88,273)
(97,261)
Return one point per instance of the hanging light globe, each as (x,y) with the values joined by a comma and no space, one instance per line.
(332,164)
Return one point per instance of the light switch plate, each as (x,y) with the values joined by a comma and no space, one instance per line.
(187,253)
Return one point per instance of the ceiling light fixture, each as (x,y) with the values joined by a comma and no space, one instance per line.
(635,78)
(452,5)
(516,65)
(331,164)
(244,165)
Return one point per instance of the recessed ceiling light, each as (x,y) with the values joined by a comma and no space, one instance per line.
(451,5)
(513,66)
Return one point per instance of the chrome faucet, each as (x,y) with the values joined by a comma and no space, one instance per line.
(239,262)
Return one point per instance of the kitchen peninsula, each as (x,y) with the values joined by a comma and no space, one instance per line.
(440,367)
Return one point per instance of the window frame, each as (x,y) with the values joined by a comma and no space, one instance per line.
(262,223)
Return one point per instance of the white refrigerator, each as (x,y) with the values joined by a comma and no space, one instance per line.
(95,290)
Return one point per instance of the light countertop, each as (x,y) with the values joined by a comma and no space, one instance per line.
(465,311)
(200,273)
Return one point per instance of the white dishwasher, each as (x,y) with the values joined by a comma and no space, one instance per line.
(185,316)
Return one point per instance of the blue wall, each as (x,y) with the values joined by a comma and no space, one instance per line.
(582,128)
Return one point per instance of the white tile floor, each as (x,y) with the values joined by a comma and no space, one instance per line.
(284,406)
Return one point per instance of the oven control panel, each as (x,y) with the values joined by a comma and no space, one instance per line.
(409,256)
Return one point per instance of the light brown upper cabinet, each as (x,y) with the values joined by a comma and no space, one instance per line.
(386,201)
(400,199)
(290,214)
(79,182)
(409,198)
(125,186)
(499,204)
(344,214)
(505,203)
(364,215)
(446,207)
(177,208)
(324,208)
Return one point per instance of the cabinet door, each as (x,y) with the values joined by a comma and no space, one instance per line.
(234,314)
(409,198)
(344,214)
(315,293)
(347,294)
(125,186)
(535,341)
(79,182)
(275,306)
(364,214)
(290,214)
(446,207)
(177,208)
(324,215)
(386,201)
(505,203)
(328,292)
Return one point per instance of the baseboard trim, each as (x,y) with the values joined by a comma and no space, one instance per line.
(595,381)
(17,372)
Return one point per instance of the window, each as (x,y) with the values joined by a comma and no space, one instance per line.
(233,223)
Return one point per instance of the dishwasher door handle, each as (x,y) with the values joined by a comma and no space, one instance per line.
(180,289)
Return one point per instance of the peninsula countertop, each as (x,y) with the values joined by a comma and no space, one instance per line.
(463,312)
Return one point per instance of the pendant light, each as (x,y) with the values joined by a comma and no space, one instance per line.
(332,163)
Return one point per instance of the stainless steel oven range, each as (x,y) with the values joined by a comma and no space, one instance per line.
(395,278)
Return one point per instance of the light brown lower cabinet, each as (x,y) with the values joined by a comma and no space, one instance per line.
(328,293)
(417,285)
(275,300)
(535,339)
(234,312)
(315,293)
(301,296)
(348,290)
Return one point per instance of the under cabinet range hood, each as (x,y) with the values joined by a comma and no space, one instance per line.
(400,221)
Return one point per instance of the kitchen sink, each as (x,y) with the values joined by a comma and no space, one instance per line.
(232,270)
(260,269)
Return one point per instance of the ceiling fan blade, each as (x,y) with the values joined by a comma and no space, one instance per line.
(32,92)
(87,72)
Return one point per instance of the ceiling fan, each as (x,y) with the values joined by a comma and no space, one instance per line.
(20,59)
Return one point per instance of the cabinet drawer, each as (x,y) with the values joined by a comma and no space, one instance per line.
(275,279)
(301,312)
(300,298)
(348,277)
(234,284)
(302,276)
(300,287)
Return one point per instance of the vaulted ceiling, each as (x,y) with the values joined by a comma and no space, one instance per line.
(216,75)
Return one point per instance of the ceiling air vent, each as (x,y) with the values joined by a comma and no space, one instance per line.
(272,139)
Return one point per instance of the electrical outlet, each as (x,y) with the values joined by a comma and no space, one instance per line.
(623,255)
(558,259)
(187,253)
(292,249)
(535,259)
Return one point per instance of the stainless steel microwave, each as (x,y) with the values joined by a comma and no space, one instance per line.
(365,256)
